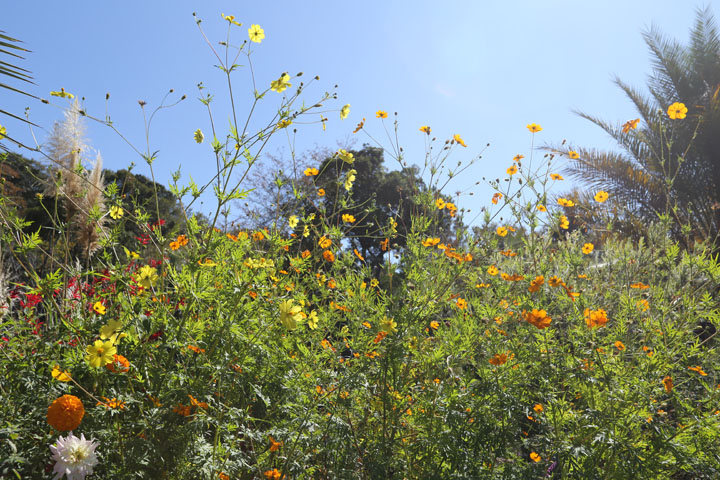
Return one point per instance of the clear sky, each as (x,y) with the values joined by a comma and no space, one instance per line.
(481,69)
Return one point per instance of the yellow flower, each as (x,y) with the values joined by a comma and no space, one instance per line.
(556,176)
(107,331)
(359,126)
(349,179)
(502,231)
(588,248)
(290,314)
(668,383)
(147,276)
(381,114)
(198,136)
(311,172)
(281,83)
(492,270)
(677,111)
(346,156)
(293,221)
(60,375)
(116,212)
(100,353)
(573,154)
(62,94)
(620,345)
(459,140)
(99,308)
(595,318)
(564,202)
(564,223)
(345,111)
(231,19)
(3,132)
(312,320)
(324,242)
(346,217)
(328,256)
(699,370)
(535,457)
(321,192)
(256,33)
(425,129)
(388,325)
(630,125)
(440,203)
(512,170)
(541,208)
(498,359)
(518,157)
(601,196)
(534,127)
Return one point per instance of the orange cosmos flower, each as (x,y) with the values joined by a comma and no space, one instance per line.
(588,248)
(498,359)
(321,192)
(324,242)
(518,157)
(328,256)
(459,140)
(358,255)
(425,129)
(601,196)
(512,170)
(539,318)
(668,383)
(534,127)
(492,270)
(556,176)
(620,345)
(359,126)
(535,457)
(698,369)
(630,125)
(595,318)
(497,196)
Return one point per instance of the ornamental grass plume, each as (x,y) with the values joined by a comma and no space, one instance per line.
(89,229)
(74,457)
(65,413)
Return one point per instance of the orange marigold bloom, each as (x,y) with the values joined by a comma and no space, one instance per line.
(113,403)
(119,364)
(668,383)
(328,256)
(273,474)
(196,349)
(223,476)
(65,413)
(595,318)
(498,359)
(539,318)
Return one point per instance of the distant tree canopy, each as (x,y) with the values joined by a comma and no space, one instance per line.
(377,196)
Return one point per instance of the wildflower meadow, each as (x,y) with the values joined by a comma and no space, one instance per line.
(343,337)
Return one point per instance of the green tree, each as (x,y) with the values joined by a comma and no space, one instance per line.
(665,165)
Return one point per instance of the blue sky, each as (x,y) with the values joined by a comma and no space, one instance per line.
(477,68)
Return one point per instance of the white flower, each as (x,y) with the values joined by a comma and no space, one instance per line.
(74,457)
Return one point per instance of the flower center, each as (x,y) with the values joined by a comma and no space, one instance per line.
(100,351)
(78,454)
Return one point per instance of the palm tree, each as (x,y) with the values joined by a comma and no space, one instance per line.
(10,47)
(666,165)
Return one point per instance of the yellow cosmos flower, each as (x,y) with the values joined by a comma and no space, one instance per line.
(573,154)
(518,157)
(321,192)
(346,217)
(60,375)
(677,111)
(541,208)
(344,111)
(256,33)
(312,320)
(293,221)
(556,176)
(346,156)
(502,231)
(588,248)
(493,270)
(535,457)
(290,314)
(564,223)
(311,172)
(512,170)
(459,140)
(281,83)
(534,127)
(100,353)
(284,123)
(116,212)
(349,179)
(381,114)
(99,308)
(62,94)
(564,202)
(147,276)
(230,18)
(198,136)
(388,325)
(601,196)
(425,129)
(107,331)
(3,132)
